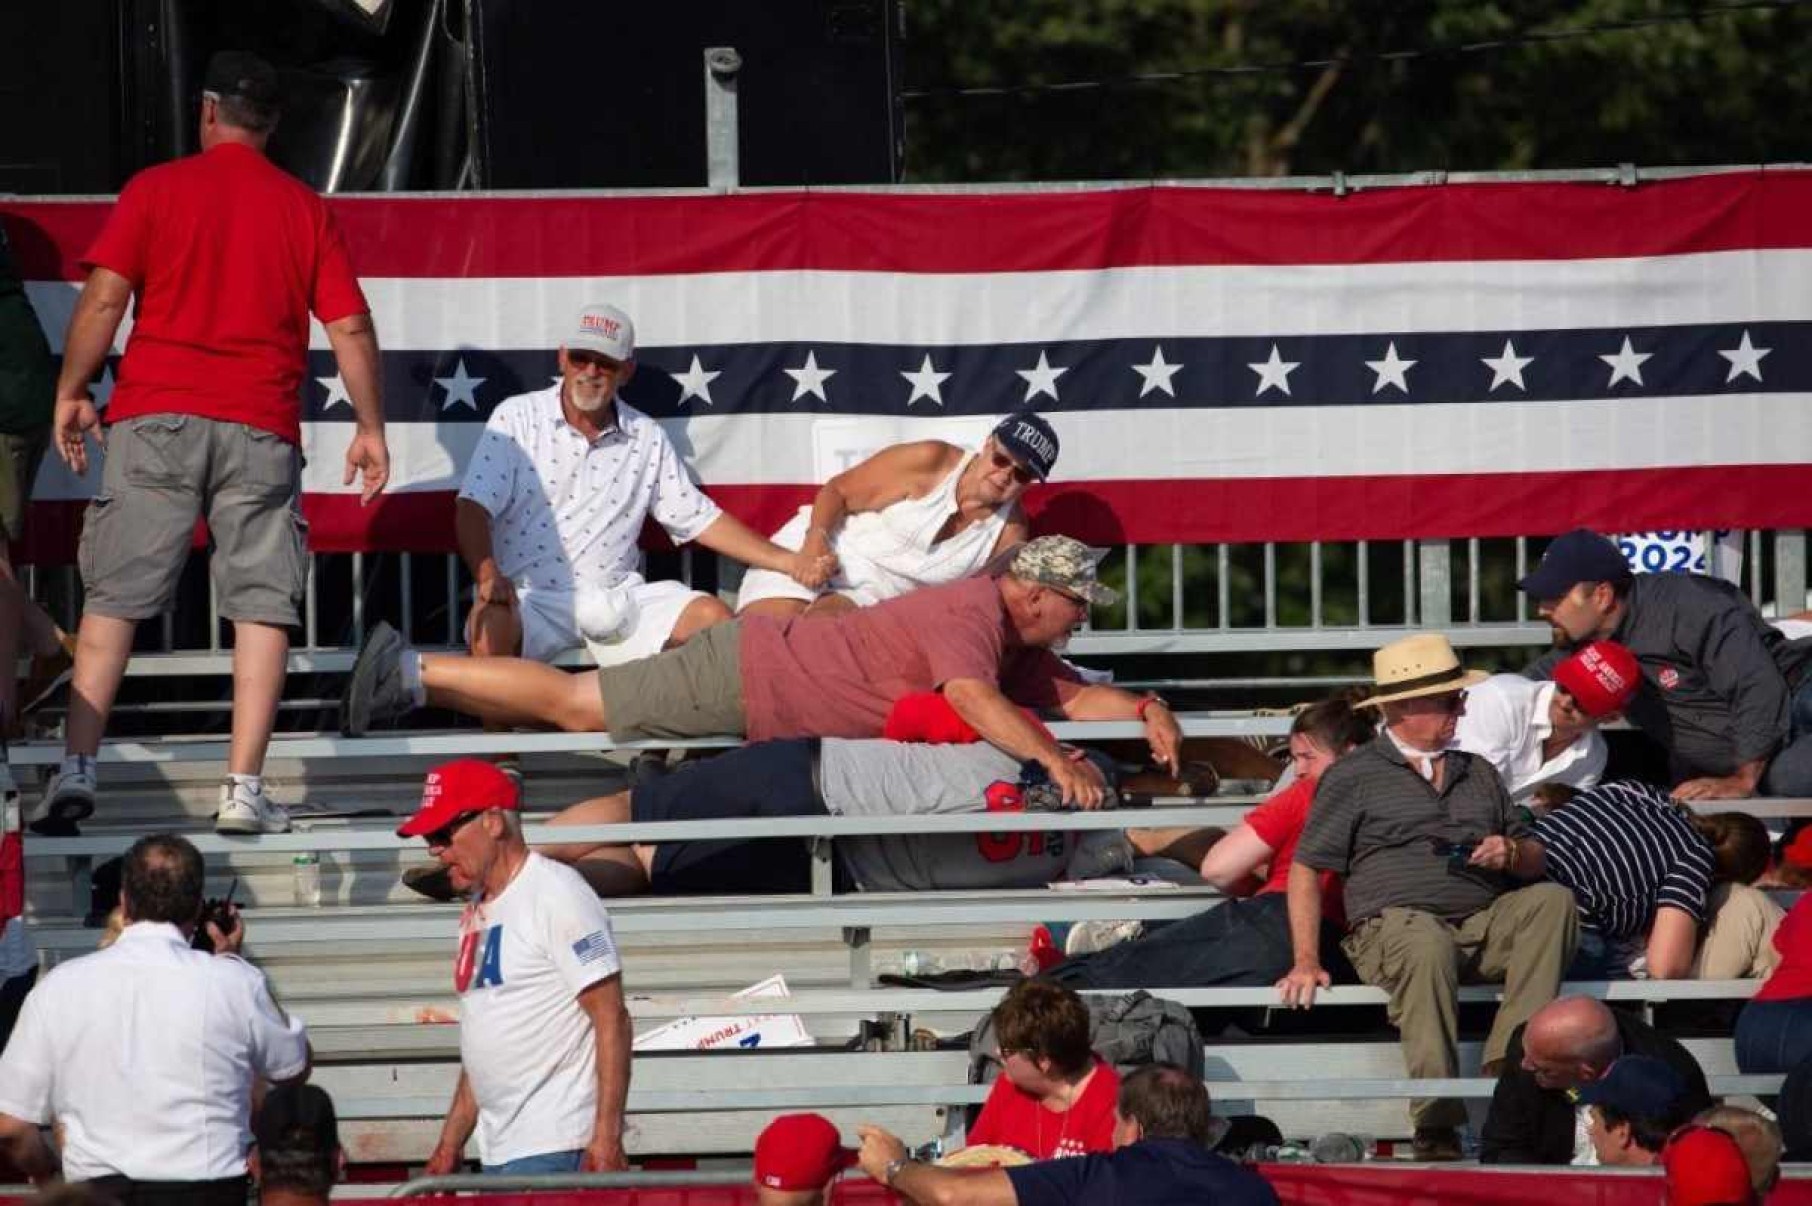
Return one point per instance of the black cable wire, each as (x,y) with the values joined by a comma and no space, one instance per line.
(1530,38)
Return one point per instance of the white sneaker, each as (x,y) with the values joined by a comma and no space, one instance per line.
(68,798)
(243,810)
(1087,937)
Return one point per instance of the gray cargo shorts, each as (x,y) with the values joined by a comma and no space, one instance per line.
(692,691)
(164,471)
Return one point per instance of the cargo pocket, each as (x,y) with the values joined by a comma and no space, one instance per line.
(298,566)
(270,465)
(89,545)
(154,450)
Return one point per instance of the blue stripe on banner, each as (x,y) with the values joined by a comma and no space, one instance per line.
(464,385)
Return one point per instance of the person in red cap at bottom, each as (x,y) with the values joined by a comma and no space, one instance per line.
(544,1036)
(796,1157)
(1538,733)
(1705,1167)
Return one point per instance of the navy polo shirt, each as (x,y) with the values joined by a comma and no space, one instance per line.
(1152,1172)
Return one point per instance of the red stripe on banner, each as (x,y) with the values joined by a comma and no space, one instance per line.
(502,236)
(1429,506)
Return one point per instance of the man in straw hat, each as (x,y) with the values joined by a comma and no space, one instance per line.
(1430,846)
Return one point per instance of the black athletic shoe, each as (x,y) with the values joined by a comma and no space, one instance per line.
(374,690)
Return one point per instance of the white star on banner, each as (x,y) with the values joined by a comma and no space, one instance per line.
(336,391)
(462,390)
(1041,378)
(102,390)
(1157,374)
(695,382)
(926,382)
(808,378)
(1745,358)
(1391,370)
(1274,372)
(1626,365)
(1507,369)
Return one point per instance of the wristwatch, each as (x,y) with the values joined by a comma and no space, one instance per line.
(892,1169)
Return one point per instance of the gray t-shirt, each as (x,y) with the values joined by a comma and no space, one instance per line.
(891,778)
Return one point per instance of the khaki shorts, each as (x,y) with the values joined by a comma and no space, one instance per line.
(19,457)
(162,473)
(692,691)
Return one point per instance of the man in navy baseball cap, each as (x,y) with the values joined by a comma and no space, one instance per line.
(1581,555)
(1635,1106)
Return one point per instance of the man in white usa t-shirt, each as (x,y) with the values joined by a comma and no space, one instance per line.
(543,1034)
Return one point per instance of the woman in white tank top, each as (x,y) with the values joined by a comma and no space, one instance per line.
(912,515)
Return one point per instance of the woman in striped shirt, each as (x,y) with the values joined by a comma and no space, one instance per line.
(1644,872)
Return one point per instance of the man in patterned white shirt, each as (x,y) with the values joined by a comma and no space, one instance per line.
(553,504)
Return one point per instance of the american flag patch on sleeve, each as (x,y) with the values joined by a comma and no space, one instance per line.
(595,946)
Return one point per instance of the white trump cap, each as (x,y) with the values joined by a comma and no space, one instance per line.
(605,330)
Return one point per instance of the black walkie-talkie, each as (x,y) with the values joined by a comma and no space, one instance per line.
(220,912)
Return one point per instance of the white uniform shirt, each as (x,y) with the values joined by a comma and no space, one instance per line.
(1505,722)
(145,1052)
(565,509)
(527,1046)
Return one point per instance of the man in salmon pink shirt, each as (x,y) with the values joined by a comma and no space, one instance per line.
(224,256)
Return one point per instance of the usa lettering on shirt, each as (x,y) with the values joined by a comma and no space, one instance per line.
(479,960)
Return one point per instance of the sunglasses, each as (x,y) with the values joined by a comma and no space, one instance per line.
(1021,474)
(592,360)
(444,835)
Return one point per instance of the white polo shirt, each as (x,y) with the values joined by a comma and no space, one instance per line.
(145,1053)
(566,509)
(1505,722)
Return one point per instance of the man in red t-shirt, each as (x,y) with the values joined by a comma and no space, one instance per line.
(227,256)
(985,642)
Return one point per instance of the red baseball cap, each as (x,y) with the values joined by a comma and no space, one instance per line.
(455,788)
(800,1152)
(1602,678)
(1799,850)
(926,716)
(1705,1167)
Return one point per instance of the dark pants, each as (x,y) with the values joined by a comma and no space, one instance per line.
(1774,1036)
(12,999)
(1789,773)
(1242,943)
(230,1191)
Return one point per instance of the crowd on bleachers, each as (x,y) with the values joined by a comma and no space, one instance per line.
(896,651)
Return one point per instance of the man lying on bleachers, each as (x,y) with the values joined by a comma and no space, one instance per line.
(1535,1116)
(1431,849)
(1547,732)
(985,642)
(1724,692)
(837,777)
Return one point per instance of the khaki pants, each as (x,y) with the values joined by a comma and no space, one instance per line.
(1523,940)
(1738,943)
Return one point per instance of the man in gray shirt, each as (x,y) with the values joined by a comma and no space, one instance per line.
(1429,844)
(1723,690)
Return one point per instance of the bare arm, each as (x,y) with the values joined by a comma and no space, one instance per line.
(23,1146)
(1100,701)
(355,347)
(603,1004)
(1672,941)
(1231,863)
(472,531)
(86,342)
(1298,987)
(1005,727)
(462,1119)
(733,538)
(927,1185)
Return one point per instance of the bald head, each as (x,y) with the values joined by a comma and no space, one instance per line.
(1570,1041)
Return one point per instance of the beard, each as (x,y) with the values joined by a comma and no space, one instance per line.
(589,398)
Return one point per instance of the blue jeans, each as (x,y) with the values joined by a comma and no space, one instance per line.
(1790,771)
(546,1162)
(1774,1036)
(1241,942)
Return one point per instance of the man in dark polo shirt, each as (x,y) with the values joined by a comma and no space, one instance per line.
(1723,691)
(1162,1129)
(1430,845)
(985,642)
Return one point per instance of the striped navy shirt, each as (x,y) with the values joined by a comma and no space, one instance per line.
(1625,850)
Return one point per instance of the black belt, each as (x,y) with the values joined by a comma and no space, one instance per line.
(130,1192)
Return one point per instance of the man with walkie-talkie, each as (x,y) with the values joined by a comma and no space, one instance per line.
(145,1052)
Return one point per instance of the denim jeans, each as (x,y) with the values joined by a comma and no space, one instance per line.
(546,1162)
(1790,772)
(1239,943)
(1774,1036)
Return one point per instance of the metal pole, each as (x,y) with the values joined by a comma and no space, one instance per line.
(722,64)
(1435,582)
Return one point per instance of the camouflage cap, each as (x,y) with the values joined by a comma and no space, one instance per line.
(1065,564)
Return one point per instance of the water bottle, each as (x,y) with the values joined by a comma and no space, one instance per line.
(308,879)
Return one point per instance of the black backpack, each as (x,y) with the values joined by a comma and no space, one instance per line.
(1128,1030)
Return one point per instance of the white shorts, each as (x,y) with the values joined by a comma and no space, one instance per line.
(549,629)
